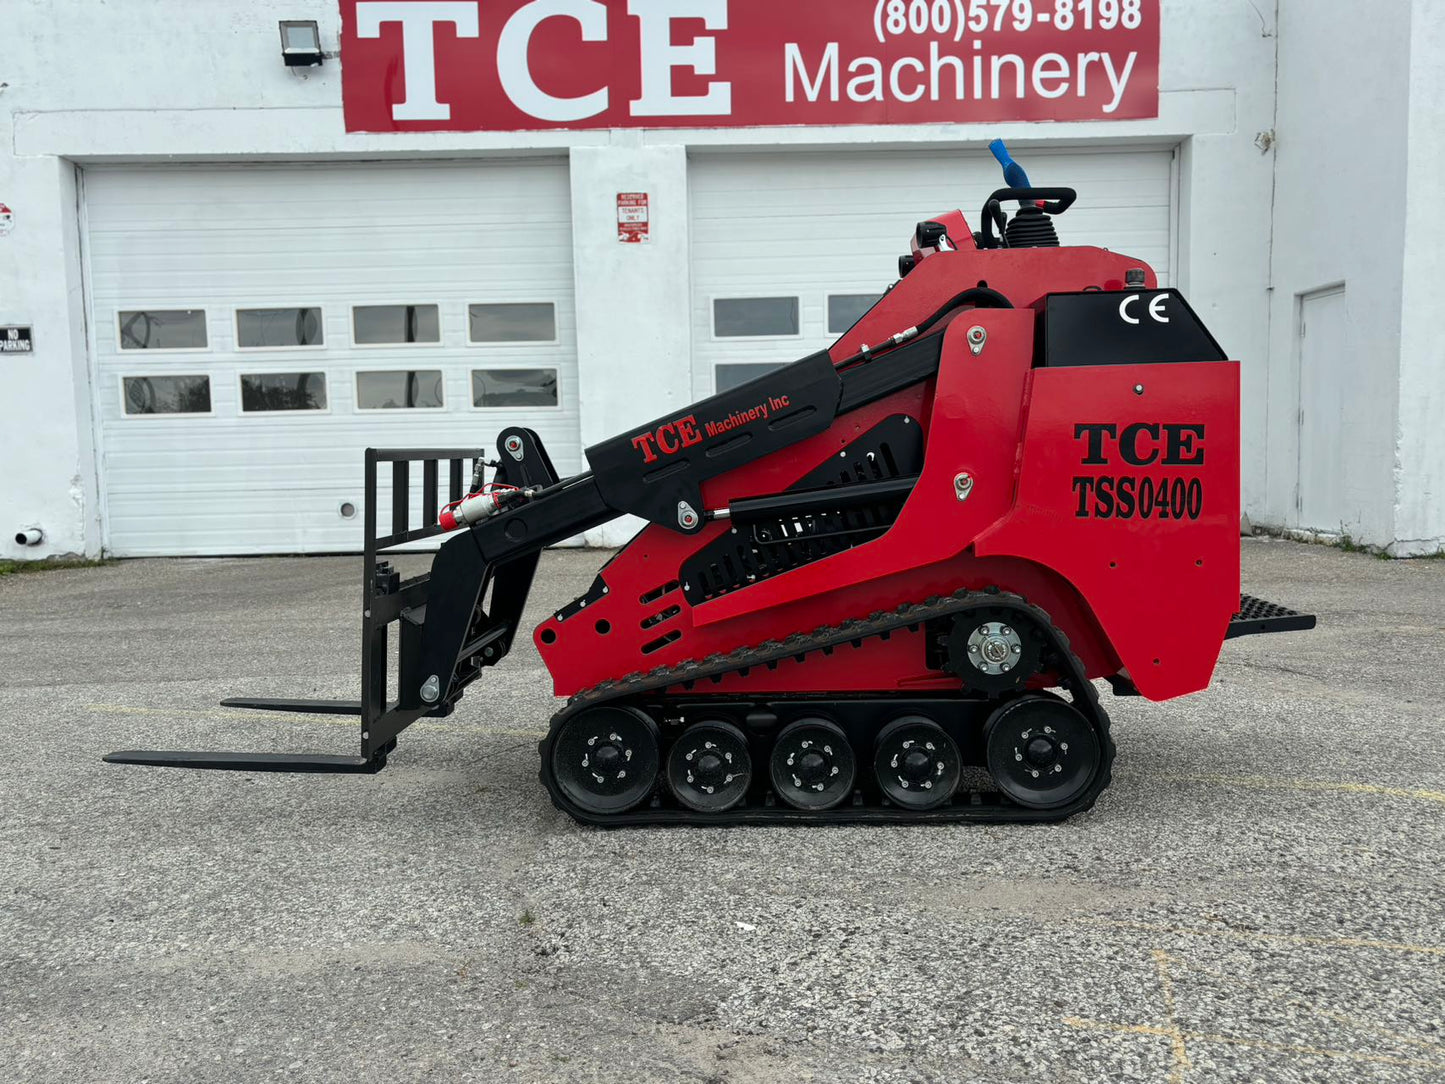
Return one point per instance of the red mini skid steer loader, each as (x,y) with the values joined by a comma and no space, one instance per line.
(876,585)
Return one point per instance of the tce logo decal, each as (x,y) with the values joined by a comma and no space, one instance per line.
(669,438)
(1182,445)
(1156,309)
(1168,494)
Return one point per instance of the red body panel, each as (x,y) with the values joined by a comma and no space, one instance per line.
(1146,596)
(1162,587)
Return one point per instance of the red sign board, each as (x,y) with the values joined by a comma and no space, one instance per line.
(632,217)
(514,65)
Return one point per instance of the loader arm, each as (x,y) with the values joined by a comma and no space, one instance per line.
(464,614)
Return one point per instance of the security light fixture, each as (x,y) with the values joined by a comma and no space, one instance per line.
(300,43)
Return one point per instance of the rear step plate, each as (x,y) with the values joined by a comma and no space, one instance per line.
(1257,616)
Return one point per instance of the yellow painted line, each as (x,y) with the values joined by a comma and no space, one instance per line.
(1261,782)
(1176,1037)
(1275,938)
(1328,1014)
(238,715)
(1256,1044)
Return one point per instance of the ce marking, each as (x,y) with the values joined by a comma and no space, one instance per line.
(1156,309)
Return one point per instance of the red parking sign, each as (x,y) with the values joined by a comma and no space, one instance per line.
(632,217)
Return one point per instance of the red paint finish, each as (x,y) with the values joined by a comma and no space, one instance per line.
(514,65)
(1162,585)
(1107,495)
(1022,275)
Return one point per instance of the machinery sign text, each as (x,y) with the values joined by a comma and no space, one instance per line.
(515,65)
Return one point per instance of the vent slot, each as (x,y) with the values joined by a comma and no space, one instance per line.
(657,592)
(661,642)
(661,616)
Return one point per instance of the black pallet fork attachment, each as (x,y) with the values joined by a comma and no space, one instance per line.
(449,634)
(464,615)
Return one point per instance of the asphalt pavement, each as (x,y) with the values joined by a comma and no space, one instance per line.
(1258,897)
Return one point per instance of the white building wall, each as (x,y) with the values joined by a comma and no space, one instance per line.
(47,462)
(1339,217)
(208,84)
(1420,428)
(1359,201)
(633,335)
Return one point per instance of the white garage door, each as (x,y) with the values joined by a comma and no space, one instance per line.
(257,328)
(789,249)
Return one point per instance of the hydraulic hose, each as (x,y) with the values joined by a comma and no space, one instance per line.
(980,297)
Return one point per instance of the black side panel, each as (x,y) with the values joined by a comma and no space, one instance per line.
(1124,327)
(654,469)
(756,551)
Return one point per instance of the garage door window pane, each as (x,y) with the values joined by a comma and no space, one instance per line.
(167,394)
(747,316)
(163,329)
(512,323)
(260,328)
(514,387)
(415,389)
(844,310)
(377,324)
(283,391)
(730,376)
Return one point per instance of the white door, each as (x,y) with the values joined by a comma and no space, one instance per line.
(257,328)
(789,248)
(1324,384)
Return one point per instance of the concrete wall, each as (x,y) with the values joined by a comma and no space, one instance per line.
(634,342)
(205,82)
(1420,424)
(1339,217)
(47,461)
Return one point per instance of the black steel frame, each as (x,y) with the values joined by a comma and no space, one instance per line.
(386,599)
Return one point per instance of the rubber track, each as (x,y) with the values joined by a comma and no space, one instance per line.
(798,646)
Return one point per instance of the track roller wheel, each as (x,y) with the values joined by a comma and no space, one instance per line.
(1041,751)
(812,765)
(994,650)
(916,763)
(605,759)
(708,767)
